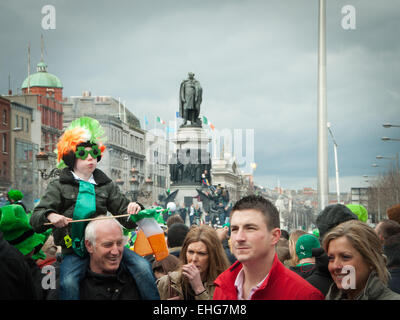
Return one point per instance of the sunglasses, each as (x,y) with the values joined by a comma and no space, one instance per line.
(82,153)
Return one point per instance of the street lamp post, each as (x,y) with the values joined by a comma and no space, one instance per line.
(42,159)
(323,183)
(395,158)
(134,184)
(137,189)
(377,193)
(388,125)
(134,188)
(390,139)
(336,162)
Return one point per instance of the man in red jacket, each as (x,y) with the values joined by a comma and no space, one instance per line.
(258,274)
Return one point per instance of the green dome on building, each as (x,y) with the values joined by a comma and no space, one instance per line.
(42,78)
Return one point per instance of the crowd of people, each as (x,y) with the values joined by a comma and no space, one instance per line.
(60,252)
(195,213)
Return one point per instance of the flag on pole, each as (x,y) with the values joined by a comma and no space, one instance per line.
(145,120)
(159,120)
(177,114)
(205,120)
(212,126)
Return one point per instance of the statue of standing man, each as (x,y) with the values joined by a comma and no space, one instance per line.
(190,96)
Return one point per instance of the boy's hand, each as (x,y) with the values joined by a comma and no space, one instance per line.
(133,208)
(58,220)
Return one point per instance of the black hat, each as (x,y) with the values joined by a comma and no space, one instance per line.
(332,216)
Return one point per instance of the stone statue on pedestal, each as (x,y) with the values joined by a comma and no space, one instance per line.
(190,97)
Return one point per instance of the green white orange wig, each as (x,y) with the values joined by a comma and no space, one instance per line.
(81,130)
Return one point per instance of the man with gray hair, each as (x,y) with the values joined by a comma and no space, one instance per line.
(108,276)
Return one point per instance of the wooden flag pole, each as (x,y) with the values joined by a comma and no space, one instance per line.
(92,219)
(101,218)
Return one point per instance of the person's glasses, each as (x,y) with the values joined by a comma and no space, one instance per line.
(82,153)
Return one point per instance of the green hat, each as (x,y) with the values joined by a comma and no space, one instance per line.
(40,254)
(15,195)
(316,232)
(359,210)
(14,224)
(305,244)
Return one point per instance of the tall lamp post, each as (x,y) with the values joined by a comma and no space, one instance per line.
(336,162)
(395,158)
(388,125)
(368,179)
(323,183)
(390,139)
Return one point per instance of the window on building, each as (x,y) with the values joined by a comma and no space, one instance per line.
(4,116)
(4,146)
(16,121)
(27,125)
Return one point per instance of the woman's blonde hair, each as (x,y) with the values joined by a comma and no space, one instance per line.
(363,239)
(294,236)
(217,259)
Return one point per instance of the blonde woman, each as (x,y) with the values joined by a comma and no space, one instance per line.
(356,263)
(202,259)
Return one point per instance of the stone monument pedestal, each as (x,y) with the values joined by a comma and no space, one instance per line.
(187,164)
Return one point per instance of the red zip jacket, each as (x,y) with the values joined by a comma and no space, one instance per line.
(281,284)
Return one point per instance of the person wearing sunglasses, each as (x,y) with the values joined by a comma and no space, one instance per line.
(83,191)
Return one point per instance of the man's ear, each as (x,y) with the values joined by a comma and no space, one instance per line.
(89,246)
(276,235)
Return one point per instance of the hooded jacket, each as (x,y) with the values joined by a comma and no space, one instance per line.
(60,197)
(280,284)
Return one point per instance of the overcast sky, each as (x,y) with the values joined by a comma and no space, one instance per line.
(256,62)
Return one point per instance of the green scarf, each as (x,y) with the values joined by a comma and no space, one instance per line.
(85,207)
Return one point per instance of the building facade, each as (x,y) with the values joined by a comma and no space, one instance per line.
(24,175)
(5,146)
